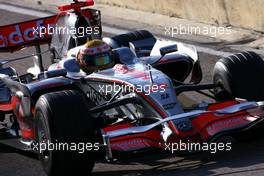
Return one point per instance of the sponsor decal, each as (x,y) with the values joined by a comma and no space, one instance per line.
(169,106)
(94,96)
(184,125)
(23,33)
(165,96)
(130,144)
(226,124)
(26,33)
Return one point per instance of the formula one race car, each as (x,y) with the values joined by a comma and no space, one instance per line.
(131,107)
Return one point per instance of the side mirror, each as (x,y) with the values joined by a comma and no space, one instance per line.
(168,49)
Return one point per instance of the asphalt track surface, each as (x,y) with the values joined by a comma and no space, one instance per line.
(244,158)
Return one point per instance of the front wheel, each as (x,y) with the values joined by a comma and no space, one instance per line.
(63,130)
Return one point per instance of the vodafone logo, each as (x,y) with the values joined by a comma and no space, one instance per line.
(19,34)
(16,36)
(3,43)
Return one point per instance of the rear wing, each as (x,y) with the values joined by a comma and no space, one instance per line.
(17,36)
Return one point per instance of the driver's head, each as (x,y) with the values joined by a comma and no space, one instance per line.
(94,56)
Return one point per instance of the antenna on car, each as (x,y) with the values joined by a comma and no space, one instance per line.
(150,74)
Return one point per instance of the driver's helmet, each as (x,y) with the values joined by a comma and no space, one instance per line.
(95,55)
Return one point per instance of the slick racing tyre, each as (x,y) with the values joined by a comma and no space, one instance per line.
(124,39)
(240,76)
(62,118)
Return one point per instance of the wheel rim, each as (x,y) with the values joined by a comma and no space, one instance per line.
(43,137)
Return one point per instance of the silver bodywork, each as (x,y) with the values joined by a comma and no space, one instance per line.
(184,116)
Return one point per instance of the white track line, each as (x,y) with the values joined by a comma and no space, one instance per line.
(106,29)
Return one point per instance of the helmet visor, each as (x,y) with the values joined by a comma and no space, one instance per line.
(97,60)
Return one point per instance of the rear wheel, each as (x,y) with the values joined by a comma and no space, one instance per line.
(62,119)
(124,39)
(240,75)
